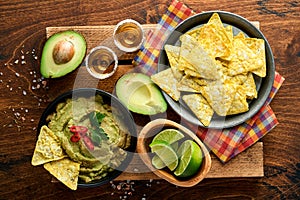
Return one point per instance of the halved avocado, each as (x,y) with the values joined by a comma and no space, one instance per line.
(63,52)
(140,95)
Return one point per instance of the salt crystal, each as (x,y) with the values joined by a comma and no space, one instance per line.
(35,57)
(26,110)
(24,93)
(22,57)
(135,170)
(23,62)
(10,89)
(38,86)
(1,73)
(16,62)
(34,81)
(32,120)
(17,74)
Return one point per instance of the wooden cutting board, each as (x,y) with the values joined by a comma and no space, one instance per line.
(247,164)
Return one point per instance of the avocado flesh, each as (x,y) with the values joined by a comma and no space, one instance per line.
(51,68)
(140,94)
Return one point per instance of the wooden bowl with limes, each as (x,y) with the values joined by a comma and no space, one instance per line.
(148,146)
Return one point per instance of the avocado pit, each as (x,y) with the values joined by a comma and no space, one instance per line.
(63,52)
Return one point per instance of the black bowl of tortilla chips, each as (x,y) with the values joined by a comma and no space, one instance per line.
(116,151)
(234,26)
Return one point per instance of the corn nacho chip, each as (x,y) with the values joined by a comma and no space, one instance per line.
(219,95)
(195,32)
(173,56)
(188,84)
(200,107)
(167,82)
(203,64)
(258,47)
(250,87)
(243,59)
(47,148)
(65,170)
(239,103)
(214,38)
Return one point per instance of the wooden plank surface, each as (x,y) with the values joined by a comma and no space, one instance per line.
(248,164)
(22,39)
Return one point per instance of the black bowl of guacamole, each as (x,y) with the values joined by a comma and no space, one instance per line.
(89,105)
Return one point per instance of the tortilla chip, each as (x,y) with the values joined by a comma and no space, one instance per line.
(187,84)
(200,107)
(239,104)
(214,38)
(47,148)
(219,95)
(239,79)
(65,170)
(193,53)
(195,32)
(173,56)
(243,59)
(229,31)
(249,87)
(167,82)
(258,47)
(192,73)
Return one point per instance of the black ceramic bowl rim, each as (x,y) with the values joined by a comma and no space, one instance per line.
(87,92)
(265,84)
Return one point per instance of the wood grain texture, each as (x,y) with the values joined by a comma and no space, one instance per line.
(22,33)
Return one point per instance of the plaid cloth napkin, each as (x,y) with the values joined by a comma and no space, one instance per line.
(225,143)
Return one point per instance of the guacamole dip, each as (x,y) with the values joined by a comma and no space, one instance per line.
(91,135)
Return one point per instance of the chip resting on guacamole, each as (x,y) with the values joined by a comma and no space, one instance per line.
(47,148)
(65,170)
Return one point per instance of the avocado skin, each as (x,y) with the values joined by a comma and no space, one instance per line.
(137,102)
(48,67)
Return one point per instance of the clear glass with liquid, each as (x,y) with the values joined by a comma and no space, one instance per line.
(101,62)
(128,35)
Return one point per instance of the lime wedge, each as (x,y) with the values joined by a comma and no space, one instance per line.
(190,159)
(168,135)
(158,163)
(166,153)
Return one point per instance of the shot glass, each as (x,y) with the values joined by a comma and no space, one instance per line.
(128,35)
(101,62)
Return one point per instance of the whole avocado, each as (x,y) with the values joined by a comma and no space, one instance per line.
(63,52)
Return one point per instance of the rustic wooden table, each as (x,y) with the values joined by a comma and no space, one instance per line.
(25,94)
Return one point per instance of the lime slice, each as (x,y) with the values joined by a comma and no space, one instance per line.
(158,163)
(166,153)
(168,135)
(190,159)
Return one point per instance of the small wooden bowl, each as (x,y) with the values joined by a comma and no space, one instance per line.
(144,139)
